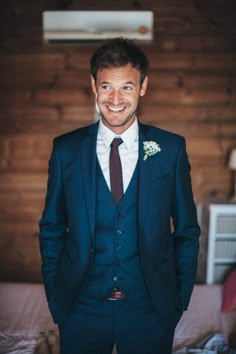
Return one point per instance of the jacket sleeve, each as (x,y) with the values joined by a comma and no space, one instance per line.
(186,229)
(53,224)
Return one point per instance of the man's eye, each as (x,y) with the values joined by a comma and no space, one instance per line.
(105,87)
(128,88)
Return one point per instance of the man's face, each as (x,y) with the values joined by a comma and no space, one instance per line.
(118,90)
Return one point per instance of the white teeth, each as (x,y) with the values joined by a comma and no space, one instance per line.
(116,109)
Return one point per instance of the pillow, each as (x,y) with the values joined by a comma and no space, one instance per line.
(229,293)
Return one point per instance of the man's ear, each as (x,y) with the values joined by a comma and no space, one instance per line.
(93,84)
(144,86)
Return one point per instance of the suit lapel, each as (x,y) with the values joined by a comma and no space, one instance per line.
(145,174)
(89,173)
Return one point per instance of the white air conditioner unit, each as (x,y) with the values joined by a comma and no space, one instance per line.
(72,26)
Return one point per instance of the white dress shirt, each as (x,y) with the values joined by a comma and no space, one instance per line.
(128,151)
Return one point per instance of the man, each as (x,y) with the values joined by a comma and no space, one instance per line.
(114,272)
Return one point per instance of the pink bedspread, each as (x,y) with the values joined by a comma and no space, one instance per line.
(24,314)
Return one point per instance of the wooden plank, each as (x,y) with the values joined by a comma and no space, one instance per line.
(16,182)
(29,43)
(171,79)
(32,62)
(160,112)
(196,43)
(14,97)
(18,119)
(26,7)
(30,113)
(75,79)
(23,78)
(211,180)
(185,96)
(11,127)
(20,258)
(26,153)
(183,25)
(192,10)
(30,165)
(204,147)
(20,212)
(21,206)
(172,61)
(23,24)
(17,199)
(196,61)
(47,97)
(4,148)
(83,96)
(81,59)
(202,130)
(215,148)
(32,120)
(213,129)
(30,146)
(80,114)
(15,126)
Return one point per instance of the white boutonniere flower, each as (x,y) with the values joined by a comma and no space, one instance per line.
(150,148)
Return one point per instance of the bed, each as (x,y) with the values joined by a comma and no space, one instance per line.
(26,326)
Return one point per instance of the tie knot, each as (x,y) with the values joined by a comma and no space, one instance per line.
(116,142)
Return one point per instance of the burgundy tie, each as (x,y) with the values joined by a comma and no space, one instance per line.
(116,171)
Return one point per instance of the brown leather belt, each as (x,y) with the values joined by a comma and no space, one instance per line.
(116,294)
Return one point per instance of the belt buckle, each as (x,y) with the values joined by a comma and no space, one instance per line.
(116,295)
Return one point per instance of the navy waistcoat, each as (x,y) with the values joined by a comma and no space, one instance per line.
(116,259)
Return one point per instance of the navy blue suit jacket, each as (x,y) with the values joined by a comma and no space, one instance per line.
(67,227)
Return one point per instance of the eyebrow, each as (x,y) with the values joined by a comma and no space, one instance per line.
(125,83)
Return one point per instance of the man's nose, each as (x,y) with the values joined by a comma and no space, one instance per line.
(115,97)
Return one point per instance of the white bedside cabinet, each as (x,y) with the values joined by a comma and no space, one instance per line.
(221,256)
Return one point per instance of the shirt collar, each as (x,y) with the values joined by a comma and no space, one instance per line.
(128,136)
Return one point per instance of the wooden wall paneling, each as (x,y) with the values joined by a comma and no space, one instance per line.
(196,43)
(32,62)
(194,61)
(20,259)
(188,96)
(28,119)
(157,113)
(26,153)
(195,129)
(21,207)
(45,91)
(169,24)
(160,79)
(78,114)
(23,182)
(54,96)
(203,181)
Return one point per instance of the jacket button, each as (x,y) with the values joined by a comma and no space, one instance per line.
(119,232)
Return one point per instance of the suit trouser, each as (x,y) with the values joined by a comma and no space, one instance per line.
(93,327)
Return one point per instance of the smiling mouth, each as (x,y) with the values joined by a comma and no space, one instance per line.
(116,109)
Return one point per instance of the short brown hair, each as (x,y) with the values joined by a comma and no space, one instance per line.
(117,52)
